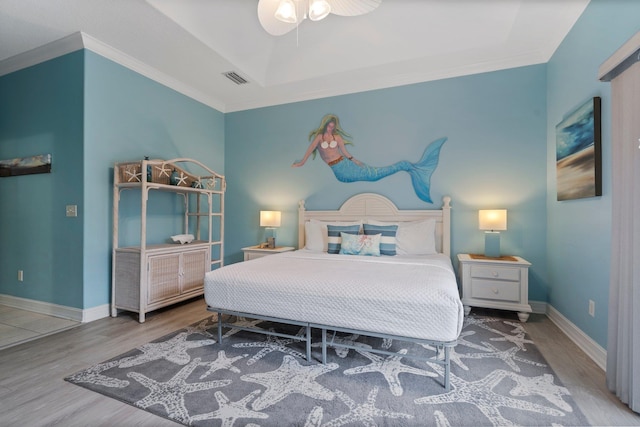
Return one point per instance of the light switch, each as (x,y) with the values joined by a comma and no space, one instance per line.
(72,210)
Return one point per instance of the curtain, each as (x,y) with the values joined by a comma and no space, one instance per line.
(623,346)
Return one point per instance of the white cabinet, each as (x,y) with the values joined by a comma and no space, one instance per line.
(152,275)
(253,252)
(501,283)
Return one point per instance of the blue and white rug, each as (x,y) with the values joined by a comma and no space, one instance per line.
(498,378)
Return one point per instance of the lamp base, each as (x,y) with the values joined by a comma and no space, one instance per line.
(492,244)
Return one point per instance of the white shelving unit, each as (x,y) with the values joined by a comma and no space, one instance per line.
(149,276)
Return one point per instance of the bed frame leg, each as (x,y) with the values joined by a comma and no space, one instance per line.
(219,328)
(308,343)
(324,346)
(447,368)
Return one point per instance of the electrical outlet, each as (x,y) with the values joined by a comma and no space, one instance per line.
(20,275)
(592,308)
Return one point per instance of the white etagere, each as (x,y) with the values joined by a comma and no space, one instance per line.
(150,276)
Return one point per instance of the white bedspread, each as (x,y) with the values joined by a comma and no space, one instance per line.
(415,297)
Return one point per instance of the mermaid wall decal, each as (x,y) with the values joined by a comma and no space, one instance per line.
(330,140)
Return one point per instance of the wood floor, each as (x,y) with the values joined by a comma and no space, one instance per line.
(33,392)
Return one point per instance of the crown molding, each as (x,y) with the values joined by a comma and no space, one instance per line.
(43,53)
(80,40)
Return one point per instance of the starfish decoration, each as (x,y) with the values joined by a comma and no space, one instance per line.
(363,413)
(222,362)
(182,180)
(173,350)
(93,375)
(211,184)
(507,356)
(163,171)
(314,419)
(390,368)
(441,419)
(171,394)
(201,328)
(229,411)
(542,386)
(454,356)
(244,322)
(290,378)
(272,344)
(519,339)
(342,352)
(134,176)
(480,394)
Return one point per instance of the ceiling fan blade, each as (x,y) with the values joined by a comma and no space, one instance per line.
(266,16)
(353,7)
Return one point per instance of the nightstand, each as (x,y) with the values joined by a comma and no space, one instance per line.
(501,283)
(253,252)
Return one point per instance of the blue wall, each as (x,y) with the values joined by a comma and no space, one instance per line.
(495,157)
(41,112)
(579,231)
(89,113)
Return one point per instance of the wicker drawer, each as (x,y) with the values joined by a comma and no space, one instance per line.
(495,273)
(495,290)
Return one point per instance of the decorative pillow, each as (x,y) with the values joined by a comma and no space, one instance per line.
(388,239)
(316,234)
(314,237)
(416,238)
(334,238)
(360,244)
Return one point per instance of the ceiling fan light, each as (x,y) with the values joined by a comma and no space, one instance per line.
(319,9)
(286,12)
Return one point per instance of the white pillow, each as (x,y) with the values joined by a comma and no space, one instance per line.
(317,235)
(416,238)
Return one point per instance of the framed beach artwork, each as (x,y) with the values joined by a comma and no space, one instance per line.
(26,165)
(579,153)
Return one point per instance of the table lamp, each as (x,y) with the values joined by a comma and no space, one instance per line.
(270,220)
(492,220)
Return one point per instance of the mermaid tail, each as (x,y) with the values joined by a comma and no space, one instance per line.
(420,172)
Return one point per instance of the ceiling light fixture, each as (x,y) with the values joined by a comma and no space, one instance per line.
(278,17)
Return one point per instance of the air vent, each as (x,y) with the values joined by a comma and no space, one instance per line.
(235,77)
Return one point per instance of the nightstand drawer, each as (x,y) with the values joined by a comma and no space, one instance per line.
(495,272)
(495,290)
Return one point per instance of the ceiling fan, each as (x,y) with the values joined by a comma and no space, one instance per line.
(278,17)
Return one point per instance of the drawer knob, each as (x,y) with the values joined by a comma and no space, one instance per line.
(495,274)
(495,290)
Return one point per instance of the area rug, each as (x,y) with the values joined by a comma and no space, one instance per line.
(498,378)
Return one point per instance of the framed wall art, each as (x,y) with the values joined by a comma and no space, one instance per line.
(26,165)
(579,153)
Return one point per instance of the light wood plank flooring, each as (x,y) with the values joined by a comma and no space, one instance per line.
(18,326)
(33,392)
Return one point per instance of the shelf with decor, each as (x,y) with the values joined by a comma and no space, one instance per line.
(153,274)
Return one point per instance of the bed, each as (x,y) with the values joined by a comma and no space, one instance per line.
(412,295)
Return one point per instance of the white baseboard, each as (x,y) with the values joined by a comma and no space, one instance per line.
(582,340)
(50,309)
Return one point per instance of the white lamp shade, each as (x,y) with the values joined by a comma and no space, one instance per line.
(286,12)
(270,218)
(492,219)
(319,9)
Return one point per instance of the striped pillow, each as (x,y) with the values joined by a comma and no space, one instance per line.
(388,239)
(333,232)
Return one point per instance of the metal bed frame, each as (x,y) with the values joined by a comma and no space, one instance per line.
(439,345)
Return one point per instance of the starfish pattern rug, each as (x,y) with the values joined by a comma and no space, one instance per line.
(498,378)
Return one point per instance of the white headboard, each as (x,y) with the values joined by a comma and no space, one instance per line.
(374,206)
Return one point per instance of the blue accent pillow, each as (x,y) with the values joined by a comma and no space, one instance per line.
(334,238)
(388,238)
(360,244)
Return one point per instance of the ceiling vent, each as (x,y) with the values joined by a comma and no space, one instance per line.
(235,77)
